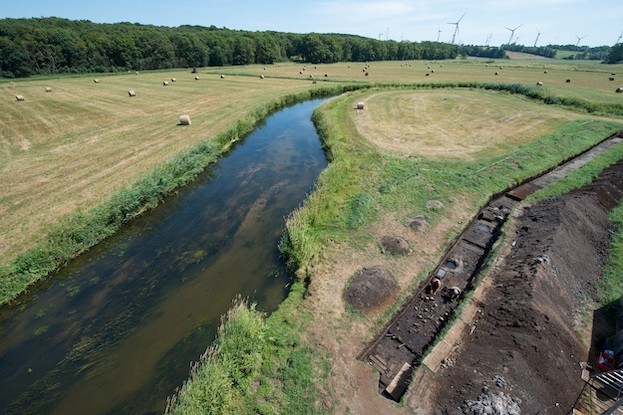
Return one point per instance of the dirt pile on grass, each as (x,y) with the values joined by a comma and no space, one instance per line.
(370,288)
(396,245)
(527,331)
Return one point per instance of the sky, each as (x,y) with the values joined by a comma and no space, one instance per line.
(597,22)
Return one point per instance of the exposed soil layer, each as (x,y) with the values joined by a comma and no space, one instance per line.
(370,288)
(526,333)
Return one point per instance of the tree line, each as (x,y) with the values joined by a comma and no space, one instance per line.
(42,46)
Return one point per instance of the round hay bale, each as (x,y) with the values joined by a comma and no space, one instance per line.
(434,204)
(300,72)
(222,76)
(165,83)
(611,79)
(568,81)
(432,71)
(395,245)
(326,75)
(131,94)
(427,74)
(419,223)
(173,79)
(311,76)
(539,83)
(97,81)
(185,120)
(196,78)
(48,89)
(367,73)
(496,73)
(314,81)
(261,76)
(19,98)
(544,71)
(136,73)
(370,288)
(360,105)
(619,89)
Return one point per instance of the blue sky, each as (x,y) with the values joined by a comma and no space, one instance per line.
(560,21)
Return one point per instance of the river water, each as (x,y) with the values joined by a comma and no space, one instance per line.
(114,331)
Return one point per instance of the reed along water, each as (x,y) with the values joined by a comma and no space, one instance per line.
(115,330)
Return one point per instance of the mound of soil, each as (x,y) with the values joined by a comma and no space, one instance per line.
(434,204)
(419,223)
(527,331)
(370,288)
(396,245)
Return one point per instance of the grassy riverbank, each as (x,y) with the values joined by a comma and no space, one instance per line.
(363,189)
(101,217)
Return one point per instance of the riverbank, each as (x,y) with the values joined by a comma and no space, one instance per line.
(365,194)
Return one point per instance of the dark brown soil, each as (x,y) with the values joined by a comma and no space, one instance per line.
(527,335)
(396,245)
(370,288)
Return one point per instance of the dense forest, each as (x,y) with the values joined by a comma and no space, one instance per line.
(54,45)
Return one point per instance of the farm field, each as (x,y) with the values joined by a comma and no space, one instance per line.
(72,149)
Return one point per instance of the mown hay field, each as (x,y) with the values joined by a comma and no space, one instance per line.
(589,80)
(71,148)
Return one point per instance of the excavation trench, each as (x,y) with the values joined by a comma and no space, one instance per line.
(400,346)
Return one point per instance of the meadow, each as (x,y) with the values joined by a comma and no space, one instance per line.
(83,159)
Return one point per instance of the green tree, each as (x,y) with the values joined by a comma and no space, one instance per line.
(615,55)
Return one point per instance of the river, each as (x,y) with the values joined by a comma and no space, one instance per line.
(114,331)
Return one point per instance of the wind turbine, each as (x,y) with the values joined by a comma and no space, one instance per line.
(488,39)
(619,39)
(538,35)
(456,29)
(516,40)
(438,34)
(579,38)
(512,33)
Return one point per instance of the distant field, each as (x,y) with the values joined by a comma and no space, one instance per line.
(71,148)
(589,80)
(521,55)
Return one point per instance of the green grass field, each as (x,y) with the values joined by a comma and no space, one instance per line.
(86,155)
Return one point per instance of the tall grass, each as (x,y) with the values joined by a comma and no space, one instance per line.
(256,366)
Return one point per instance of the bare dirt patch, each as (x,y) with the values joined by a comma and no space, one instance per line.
(526,333)
(370,288)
